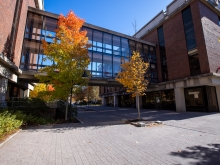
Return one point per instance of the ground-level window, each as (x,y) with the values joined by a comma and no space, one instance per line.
(201,99)
(194,65)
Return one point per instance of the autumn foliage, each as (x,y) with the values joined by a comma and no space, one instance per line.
(69,53)
(41,91)
(133,76)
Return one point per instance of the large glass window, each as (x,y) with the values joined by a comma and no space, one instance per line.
(145,53)
(162,48)
(89,35)
(190,41)
(97,64)
(107,65)
(194,65)
(116,46)
(97,41)
(219,19)
(116,65)
(105,53)
(33,26)
(107,43)
(189,28)
(125,47)
(132,46)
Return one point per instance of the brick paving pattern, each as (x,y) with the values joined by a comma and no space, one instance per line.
(185,138)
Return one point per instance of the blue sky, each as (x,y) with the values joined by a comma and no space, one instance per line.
(116,15)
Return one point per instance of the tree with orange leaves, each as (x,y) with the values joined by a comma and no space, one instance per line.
(69,53)
(41,91)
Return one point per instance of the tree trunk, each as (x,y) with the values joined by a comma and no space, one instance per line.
(66,108)
(138,106)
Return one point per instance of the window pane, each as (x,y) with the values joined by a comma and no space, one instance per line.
(132,46)
(107,65)
(194,65)
(189,29)
(139,48)
(89,35)
(125,47)
(97,64)
(116,46)
(116,65)
(107,41)
(97,38)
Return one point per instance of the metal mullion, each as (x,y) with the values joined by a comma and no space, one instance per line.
(112,56)
(102,55)
(92,53)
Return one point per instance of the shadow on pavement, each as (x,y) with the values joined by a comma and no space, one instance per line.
(203,155)
(107,116)
(111,115)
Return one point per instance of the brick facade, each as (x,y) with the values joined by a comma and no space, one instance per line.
(211,30)
(6,18)
(176,50)
(7,9)
(207,33)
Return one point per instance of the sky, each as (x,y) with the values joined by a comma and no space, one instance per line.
(116,15)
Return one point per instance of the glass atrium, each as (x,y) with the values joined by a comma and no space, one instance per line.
(106,52)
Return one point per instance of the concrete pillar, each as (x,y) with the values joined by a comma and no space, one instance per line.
(103,101)
(180,99)
(3,89)
(115,101)
(140,102)
(21,93)
(26,93)
(218,96)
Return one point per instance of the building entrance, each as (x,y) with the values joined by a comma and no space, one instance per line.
(201,99)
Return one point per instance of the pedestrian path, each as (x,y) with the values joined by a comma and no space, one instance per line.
(184,138)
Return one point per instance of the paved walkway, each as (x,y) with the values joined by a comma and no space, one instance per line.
(185,138)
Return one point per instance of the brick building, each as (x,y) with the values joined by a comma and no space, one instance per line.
(187,54)
(13,15)
(181,43)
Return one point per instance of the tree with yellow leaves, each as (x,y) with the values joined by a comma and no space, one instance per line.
(41,91)
(133,76)
(69,53)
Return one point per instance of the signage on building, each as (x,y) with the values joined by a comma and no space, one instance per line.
(196,94)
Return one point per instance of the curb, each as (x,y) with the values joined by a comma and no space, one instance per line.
(79,120)
(11,136)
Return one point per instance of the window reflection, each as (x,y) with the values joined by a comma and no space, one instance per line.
(105,54)
(125,47)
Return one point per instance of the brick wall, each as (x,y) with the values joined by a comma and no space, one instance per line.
(211,32)
(176,51)
(207,32)
(7,8)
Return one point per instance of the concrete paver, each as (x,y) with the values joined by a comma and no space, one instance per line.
(185,138)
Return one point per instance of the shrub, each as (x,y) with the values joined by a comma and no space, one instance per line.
(8,123)
(29,119)
(34,106)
